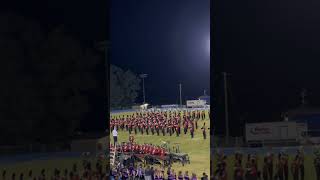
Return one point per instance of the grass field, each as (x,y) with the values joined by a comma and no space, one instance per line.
(310,173)
(197,148)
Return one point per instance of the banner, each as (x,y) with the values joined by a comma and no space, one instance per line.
(273,131)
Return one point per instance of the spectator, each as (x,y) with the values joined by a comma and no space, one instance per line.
(140,172)
(204,177)
(71,175)
(74,168)
(30,175)
(65,176)
(194,177)
(13,176)
(147,174)
(186,175)
(4,172)
(152,173)
(21,176)
(43,175)
(180,176)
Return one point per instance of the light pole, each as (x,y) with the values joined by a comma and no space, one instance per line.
(180,90)
(303,97)
(144,95)
(226,106)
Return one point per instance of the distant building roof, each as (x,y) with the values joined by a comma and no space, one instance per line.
(204,97)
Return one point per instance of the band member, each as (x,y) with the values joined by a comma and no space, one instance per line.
(130,128)
(270,164)
(203,115)
(157,129)
(265,169)
(147,130)
(135,129)
(295,168)
(248,165)
(126,125)
(170,129)
(301,163)
(152,129)
(204,131)
(177,131)
(279,168)
(141,128)
(317,166)
(238,171)
(192,131)
(286,166)
(163,130)
(131,139)
(185,128)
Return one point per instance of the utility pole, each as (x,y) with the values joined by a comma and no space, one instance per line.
(303,97)
(143,89)
(180,90)
(226,106)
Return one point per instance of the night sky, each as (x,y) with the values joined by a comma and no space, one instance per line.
(86,21)
(272,51)
(169,40)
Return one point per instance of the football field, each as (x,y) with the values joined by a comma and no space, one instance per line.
(197,148)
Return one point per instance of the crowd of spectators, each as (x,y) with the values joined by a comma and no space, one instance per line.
(139,172)
(87,172)
(120,172)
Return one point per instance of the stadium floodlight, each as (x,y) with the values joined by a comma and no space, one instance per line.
(144,94)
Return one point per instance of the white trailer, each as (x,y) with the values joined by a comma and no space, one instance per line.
(271,132)
(196,103)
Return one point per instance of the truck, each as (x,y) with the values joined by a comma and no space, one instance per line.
(275,133)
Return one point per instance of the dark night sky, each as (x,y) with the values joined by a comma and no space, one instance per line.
(169,40)
(87,21)
(272,50)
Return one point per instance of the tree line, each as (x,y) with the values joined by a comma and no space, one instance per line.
(46,76)
(49,82)
(124,87)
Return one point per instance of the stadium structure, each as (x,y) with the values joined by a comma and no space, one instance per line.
(310,117)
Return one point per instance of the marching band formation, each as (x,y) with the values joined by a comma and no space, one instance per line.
(161,122)
(273,168)
(141,149)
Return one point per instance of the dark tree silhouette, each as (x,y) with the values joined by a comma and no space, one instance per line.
(45,78)
(124,87)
